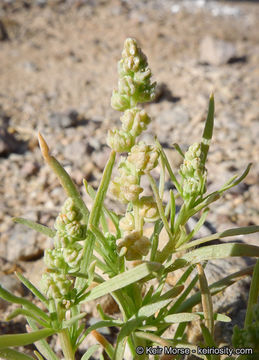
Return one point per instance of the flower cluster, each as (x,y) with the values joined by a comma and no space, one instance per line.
(66,255)
(135,244)
(193,173)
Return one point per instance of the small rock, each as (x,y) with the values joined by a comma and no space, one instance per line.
(65,120)
(168,120)
(215,51)
(22,245)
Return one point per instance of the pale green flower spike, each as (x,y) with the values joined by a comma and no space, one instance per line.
(67,254)
(134,78)
(193,173)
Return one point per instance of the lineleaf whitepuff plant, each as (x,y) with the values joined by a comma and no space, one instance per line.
(128,259)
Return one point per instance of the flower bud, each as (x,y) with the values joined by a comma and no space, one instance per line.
(120,141)
(193,172)
(135,121)
(126,188)
(54,259)
(120,101)
(55,286)
(73,256)
(144,157)
(136,245)
(148,209)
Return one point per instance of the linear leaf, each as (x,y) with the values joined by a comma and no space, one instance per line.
(217,317)
(208,131)
(42,345)
(215,288)
(32,288)
(121,280)
(90,352)
(28,313)
(253,295)
(25,338)
(35,226)
(181,317)
(65,180)
(6,295)
(230,232)
(10,354)
(221,251)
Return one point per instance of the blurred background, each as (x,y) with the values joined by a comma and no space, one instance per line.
(57,71)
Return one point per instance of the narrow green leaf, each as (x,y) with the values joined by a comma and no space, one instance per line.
(111,214)
(197,226)
(98,325)
(161,186)
(39,357)
(169,169)
(10,354)
(94,218)
(209,341)
(234,183)
(230,232)
(32,288)
(42,345)
(35,226)
(215,288)
(216,316)
(172,292)
(208,131)
(253,295)
(70,322)
(28,313)
(6,295)
(178,149)
(151,309)
(123,335)
(25,338)
(65,180)
(121,280)
(160,208)
(220,251)
(172,210)
(90,352)
(101,192)
(181,317)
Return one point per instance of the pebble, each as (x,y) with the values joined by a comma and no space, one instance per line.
(215,51)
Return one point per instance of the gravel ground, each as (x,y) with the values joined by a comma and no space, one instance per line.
(58,69)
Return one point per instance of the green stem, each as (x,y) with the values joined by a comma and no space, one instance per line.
(161,212)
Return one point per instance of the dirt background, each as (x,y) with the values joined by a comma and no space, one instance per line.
(57,71)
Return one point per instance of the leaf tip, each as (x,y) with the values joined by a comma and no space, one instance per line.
(43,147)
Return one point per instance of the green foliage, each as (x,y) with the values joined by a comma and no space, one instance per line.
(89,259)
